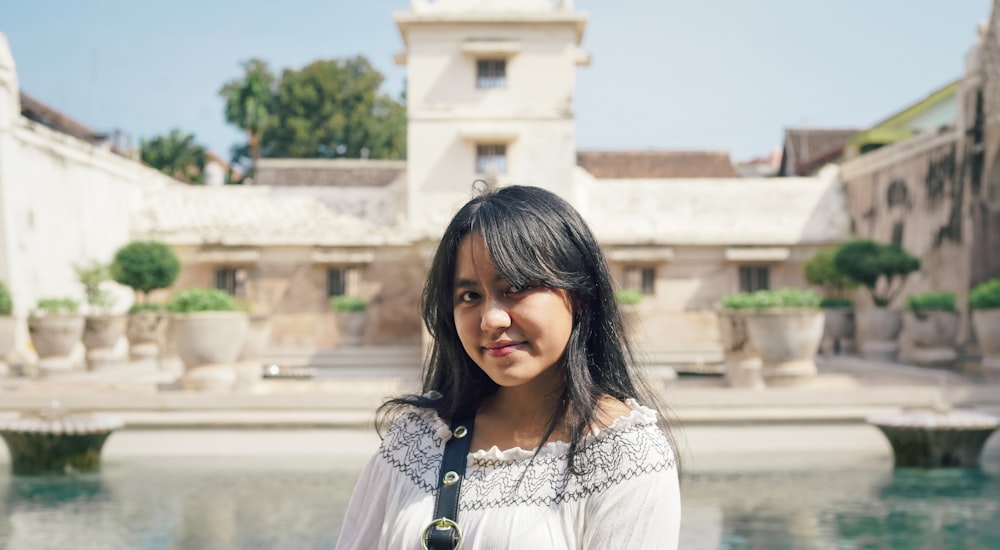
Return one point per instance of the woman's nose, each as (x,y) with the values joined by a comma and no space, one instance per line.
(494,316)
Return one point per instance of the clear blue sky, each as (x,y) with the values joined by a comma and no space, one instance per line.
(677,74)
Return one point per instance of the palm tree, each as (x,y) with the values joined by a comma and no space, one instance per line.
(176,155)
(249,102)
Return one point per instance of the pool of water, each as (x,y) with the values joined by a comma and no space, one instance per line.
(298,502)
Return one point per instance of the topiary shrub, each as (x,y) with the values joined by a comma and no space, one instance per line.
(931,301)
(145,266)
(191,300)
(820,270)
(56,306)
(773,299)
(985,295)
(881,268)
(628,297)
(347,303)
(6,304)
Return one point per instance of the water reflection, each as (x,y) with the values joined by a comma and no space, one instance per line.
(260,502)
(847,508)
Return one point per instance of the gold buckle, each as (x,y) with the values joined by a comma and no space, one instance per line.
(441,524)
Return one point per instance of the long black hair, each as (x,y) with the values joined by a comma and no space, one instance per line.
(533,237)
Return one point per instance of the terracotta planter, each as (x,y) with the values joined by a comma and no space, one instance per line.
(100,334)
(210,337)
(103,331)
(55,335)
(351,325)
(877,331)
(742,360)
(986,324)
(930,337)
(54,338)
(787,340)
(147,334)
(838,328)
(733,334)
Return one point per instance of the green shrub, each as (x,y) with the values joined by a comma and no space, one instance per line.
(882,268)
(6,304)
(931,301)
(57,306)
(628,296)
(192,300)
(145,266)
(985,295)
(835,303)
(773,299)
(348,303)
(148,306)
(821,271)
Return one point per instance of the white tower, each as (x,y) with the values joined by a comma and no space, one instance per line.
(489,96)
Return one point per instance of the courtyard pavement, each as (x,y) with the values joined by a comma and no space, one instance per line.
(334,413)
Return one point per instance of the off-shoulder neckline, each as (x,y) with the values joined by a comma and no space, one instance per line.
(639,415)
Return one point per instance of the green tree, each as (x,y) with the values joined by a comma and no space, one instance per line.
(249,105)
(145,266)
(176,155)
(328,109)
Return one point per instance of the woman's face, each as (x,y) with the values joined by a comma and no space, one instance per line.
(516,335)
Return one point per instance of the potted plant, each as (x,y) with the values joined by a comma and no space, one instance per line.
(930,328)
(209,331)
(742,360)
(785,326)
(838,309)
(102,329)
(984,299)
(882,269)
(145,266)
(8,326)
(350,313)
(55,327)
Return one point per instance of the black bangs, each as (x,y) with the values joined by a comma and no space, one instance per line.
(529,243)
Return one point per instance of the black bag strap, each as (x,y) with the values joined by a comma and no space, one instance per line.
(443,533)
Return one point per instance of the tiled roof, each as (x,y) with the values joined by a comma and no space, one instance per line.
(251,216)
(656,164)
(328,172)
(733,211)
(37,111)
(805,147)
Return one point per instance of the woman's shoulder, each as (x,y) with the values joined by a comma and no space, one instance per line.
(628,434)
(409,421)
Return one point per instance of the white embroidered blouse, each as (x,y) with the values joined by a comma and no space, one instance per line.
(628,496)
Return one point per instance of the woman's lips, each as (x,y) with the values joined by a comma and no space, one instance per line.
(503,350)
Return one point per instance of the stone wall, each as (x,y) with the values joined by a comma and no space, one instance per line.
(62,201)
(285,283)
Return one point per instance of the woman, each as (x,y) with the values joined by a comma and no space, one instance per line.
(527,341)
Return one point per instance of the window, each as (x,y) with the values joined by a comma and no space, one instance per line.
(342,281)
(491,158)
(491,73)
(336,282)
(754,278)
(641,278)
(232,280)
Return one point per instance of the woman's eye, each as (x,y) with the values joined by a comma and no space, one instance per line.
(467,296)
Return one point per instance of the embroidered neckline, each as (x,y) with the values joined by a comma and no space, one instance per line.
(630,446)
